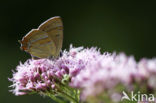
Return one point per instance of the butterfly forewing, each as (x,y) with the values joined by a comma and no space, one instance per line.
(54,29)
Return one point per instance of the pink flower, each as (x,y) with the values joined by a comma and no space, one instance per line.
(35,75)
(89,70)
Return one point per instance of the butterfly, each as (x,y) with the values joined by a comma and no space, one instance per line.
(46,40)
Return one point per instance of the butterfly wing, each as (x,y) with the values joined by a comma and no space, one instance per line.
(38,44)
(45,41)
(54,28)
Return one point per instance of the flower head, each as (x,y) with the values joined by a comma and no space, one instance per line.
(43,74)
(36,75)
(97,75)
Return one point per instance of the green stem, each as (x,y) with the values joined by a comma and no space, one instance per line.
(54,98)
(68,97)
(77,96)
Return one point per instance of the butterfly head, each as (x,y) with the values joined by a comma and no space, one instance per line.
(23,45)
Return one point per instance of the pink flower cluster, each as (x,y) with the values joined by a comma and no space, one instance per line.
(88,69)
(108,72)
(43,75)
(36,75)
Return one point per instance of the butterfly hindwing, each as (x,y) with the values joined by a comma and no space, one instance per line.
(39,44)
(46,41)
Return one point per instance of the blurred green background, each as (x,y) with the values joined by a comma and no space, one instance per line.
(122,26)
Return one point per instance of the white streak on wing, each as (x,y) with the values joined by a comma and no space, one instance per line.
(45,36)
(46,43)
